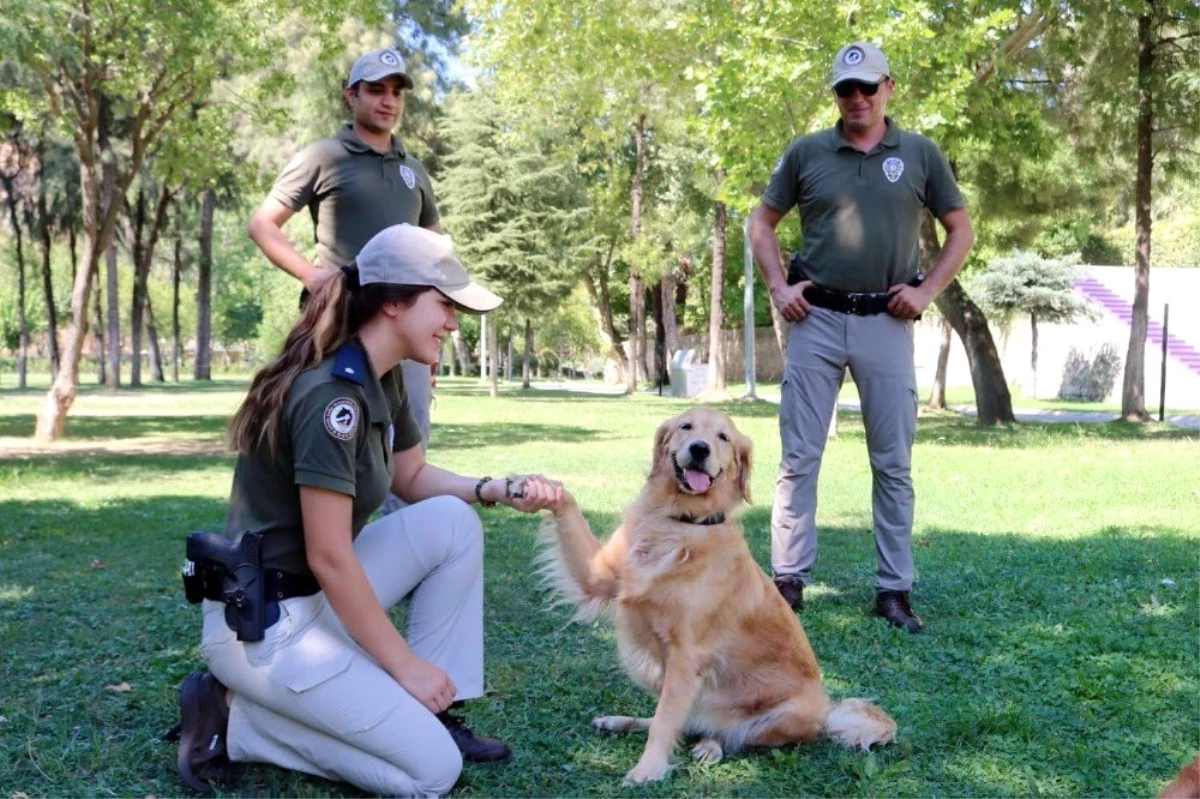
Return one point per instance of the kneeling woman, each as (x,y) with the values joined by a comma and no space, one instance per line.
(334,689)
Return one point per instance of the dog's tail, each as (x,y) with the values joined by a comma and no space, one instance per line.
(581,570)
(857,724)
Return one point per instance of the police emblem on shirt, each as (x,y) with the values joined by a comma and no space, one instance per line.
(893,168)
(778,164)
(410,177)
(341,418)
(853,57)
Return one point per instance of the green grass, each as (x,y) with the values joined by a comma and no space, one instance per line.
(1058,660)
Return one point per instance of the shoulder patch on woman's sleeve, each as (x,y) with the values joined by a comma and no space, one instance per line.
(341,418)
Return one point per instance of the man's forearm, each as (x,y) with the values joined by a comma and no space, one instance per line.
(950,259)
(279,251)
(764,244)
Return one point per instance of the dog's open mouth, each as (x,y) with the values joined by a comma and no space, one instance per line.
(693,481)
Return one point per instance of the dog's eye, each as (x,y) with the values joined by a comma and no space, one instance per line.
(685,426)
(723,437)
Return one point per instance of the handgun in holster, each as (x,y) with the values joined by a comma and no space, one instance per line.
(796,269)
(229,572)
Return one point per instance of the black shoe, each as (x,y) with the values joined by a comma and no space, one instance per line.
(202,731)
(893,606)
(474,748)
(791,589)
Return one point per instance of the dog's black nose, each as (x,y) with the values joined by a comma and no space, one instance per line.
(699,450)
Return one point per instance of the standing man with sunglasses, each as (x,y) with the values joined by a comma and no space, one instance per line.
(861,189)
(354,185)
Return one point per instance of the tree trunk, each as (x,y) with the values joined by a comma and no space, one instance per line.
(98,314)
(138,290)
(660,337)
(201,369)
(1033,356)
(669,319)
(156,359)
(112,371)
(937,394)
(637,307)
(47,283)
(176,269)
(466,367)
(716,305)
(993,403)
(60,397)
(493,360)
(1133,392)
(527,361)
(601,306)
(22,324)
(509,357)
(144,242)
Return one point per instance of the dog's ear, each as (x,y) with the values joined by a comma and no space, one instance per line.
(744,451)
(661,455)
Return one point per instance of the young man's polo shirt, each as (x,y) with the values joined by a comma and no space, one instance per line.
(338,429)
(860,213)
(353,192)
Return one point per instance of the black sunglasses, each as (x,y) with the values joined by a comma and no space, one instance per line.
(847,88)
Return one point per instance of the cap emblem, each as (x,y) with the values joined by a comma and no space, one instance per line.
(410,177)
(853,56)
(389,58)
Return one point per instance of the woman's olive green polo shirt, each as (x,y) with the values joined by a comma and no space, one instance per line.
(339,427)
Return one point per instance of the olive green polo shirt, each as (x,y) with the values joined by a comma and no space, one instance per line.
(860,213)
(340,425)
(353,192)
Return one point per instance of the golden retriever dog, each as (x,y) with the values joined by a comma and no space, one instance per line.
(1186,784)
(699,625)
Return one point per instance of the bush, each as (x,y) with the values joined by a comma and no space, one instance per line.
(1090,378)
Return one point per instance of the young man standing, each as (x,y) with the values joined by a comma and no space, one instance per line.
(354,185)
(861,189)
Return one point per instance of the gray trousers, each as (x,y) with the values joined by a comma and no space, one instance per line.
(308,698)
(879,353)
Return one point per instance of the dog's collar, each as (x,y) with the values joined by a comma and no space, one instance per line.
(712,518)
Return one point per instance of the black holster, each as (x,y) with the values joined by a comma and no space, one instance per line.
(231,573)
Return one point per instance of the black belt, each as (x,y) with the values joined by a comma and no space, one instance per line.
(859,303)
(279,585)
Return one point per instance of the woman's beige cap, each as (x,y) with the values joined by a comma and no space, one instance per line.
(413,256)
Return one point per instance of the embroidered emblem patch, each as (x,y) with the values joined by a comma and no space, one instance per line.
(778,164)
(853,57)
(410,177)
(341,418)
(389,58)
(893,168)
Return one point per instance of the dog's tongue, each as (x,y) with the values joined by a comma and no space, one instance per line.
(697,480)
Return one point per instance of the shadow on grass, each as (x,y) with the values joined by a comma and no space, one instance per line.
(447,435)
(83,428)
(185,387)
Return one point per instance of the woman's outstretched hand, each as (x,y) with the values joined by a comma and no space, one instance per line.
(532,492)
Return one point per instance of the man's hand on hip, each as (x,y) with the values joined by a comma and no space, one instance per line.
(908,302)
(790,300)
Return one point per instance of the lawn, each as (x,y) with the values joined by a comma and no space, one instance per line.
(1057,573)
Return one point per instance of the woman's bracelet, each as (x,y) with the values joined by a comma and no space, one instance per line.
(479,492)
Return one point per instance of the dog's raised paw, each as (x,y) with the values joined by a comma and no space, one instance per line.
(708,751)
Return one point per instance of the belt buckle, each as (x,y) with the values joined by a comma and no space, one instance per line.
(854,297)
